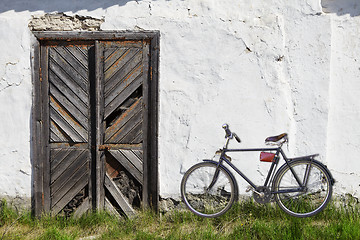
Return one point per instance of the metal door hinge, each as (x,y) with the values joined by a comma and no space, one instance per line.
(104,147)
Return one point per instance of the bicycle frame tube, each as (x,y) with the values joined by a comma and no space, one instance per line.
(307,173)
(271,170)
(239,172)
(222,158)
(294,173)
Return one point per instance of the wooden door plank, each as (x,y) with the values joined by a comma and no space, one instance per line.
(123,76)
(45,122)
(116,69)
(126,129)
(123,83)
(69,82)
(119,197)
(110,208)
(68,75)
(58,155)
(69,106)
(70,194)
(135,160)
(92,123)
(116,43)
(74,156)
(62,153)
(69,57)
(122,73)
(54,152)
(99,111)
(122,119)
(67,176)
(120,99)
(71,181)
(133,133)
(144,134)
(139,154)
(139,138)
(124,36)
(83,208)
(129,166)
(68,124)
(55,134)
(70,66)
(114,55)
(108,51)
(81,54)
(68,93)
(37,145)
(151,151)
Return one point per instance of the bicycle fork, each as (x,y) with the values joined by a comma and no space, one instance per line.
(216,175)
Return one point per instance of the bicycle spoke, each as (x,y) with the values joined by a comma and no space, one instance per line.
(205,201)
(314,196)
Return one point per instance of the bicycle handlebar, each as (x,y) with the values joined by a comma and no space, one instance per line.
(229,134)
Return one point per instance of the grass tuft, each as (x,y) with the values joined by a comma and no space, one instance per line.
(245,220)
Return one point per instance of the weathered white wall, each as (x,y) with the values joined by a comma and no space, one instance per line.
(343,142)
(265,67)
(15,105)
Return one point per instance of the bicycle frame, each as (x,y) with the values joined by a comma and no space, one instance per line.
(223,158)
(301,186)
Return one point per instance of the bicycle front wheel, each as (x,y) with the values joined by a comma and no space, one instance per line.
(208,190)
(308,201)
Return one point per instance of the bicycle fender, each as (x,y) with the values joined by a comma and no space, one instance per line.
(308,157)
(332,180)
(311,157)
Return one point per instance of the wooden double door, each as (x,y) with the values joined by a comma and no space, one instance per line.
(94,126)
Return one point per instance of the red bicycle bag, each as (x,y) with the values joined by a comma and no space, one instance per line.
(267,157)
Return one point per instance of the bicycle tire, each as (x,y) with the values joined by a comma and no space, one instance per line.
(205,202)
(313,199)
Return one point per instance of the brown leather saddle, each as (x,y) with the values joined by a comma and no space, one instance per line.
(277,138)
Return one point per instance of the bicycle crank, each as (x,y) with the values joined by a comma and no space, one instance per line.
(262,194)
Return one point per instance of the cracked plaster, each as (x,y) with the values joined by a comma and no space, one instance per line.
(263,67)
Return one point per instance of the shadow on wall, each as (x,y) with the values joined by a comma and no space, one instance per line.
(58,6)
(341,7)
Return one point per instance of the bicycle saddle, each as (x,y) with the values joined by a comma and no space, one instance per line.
(277,138)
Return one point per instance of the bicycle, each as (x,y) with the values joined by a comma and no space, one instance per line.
(302,186)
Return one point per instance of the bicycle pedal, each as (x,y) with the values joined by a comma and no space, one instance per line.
(249,188)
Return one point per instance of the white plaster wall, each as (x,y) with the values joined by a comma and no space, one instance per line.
(265,67)
(343,133)
(15,105)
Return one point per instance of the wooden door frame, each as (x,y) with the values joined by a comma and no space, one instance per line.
(40,122)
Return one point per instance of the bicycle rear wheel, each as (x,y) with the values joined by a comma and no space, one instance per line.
(205,201)
(313,198)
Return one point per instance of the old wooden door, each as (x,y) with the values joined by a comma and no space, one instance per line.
(92,119)
(123,72)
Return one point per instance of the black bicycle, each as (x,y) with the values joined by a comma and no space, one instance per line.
(302,186)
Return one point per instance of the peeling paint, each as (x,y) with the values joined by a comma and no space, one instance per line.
(11,76)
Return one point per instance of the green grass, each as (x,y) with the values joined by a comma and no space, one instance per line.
(246,220)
